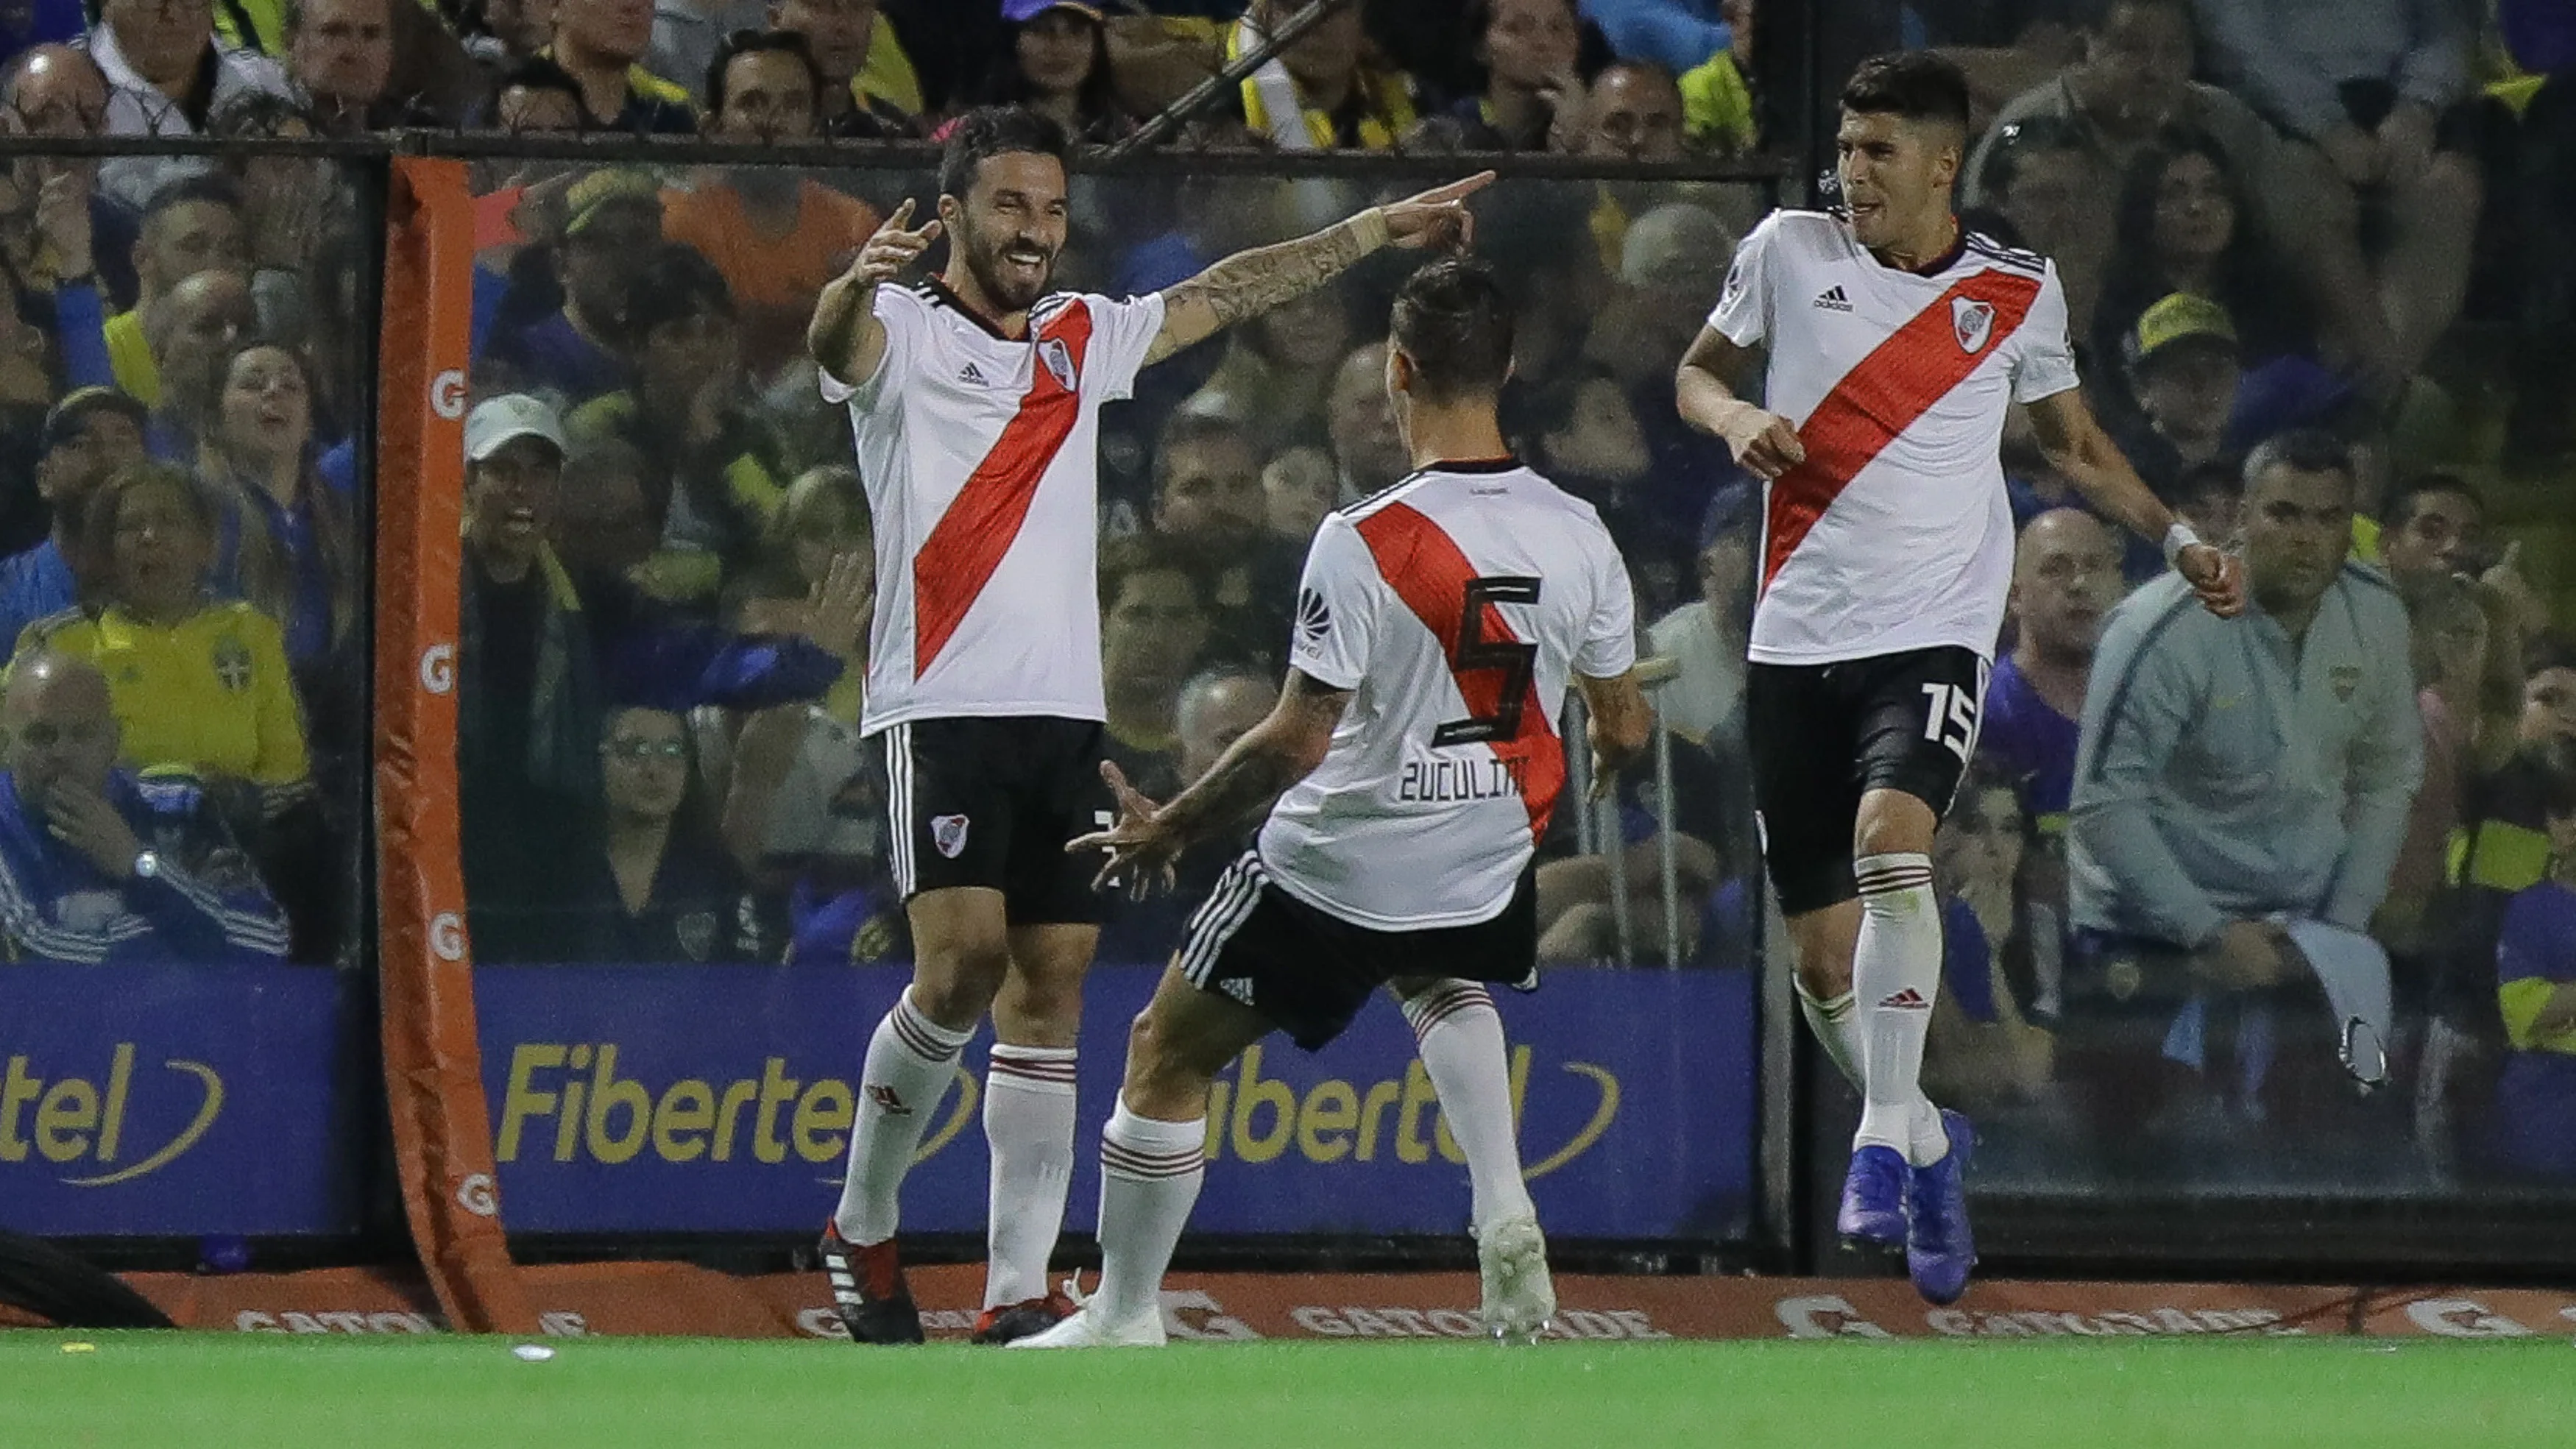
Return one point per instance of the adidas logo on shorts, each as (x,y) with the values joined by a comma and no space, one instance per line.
(1238,987)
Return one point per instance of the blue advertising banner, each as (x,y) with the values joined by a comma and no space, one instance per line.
(718,1098)
(179,1100)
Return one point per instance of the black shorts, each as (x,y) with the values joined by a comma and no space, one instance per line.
(1310,972)
(1821,735)
(991,802)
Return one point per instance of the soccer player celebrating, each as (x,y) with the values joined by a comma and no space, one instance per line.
(1446,617)
(1896,343)
(975,400)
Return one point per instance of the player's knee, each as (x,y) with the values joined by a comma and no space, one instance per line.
(955,985)
(1822,976)
(1893,822)
(1162,1069)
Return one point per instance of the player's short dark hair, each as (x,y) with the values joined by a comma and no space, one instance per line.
(759,42)
(2408,500)
(2301,450)
(989,131)
(1917,85)
(1454,321)
(1190,430)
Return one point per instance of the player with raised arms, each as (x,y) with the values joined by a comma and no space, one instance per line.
(974,399)
(1897,343)
(1407,773)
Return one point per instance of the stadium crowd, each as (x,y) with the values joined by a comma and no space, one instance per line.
(2312,257)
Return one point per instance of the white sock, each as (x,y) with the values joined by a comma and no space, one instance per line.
(1028,1122)
(1837,1029)
(1461,1039)
(1149,1179)
(1897,972)
(909,1062)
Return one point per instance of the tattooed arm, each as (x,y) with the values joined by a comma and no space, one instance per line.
(1244,782)
(1248,284)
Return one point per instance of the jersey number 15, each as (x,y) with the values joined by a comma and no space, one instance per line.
(1513,660)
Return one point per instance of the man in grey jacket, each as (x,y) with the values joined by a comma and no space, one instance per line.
(2236,774)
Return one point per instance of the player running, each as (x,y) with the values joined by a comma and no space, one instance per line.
(974,399)
(1897,343)
(1439,626)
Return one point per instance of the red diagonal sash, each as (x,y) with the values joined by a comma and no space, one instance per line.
(983,520)
(1428,570)
(1881,397)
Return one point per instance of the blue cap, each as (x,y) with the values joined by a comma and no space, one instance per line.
(1021,12)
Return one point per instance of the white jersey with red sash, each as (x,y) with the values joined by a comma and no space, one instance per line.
(1457,606)
(980,454)
(1895,533)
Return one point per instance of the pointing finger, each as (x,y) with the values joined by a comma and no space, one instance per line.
(1463,187)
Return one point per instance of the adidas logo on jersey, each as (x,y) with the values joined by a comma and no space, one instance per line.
(1907,1000)
(1833,300)
(973,376)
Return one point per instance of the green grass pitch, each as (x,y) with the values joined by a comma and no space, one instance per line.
(160,1390)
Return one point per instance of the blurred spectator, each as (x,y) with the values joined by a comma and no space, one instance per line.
(1217,707)
(1675,34)
(2535,967)
(606,521)
(1632,111)
(199,685)
(2054,201)
(1983,1051)
(2184,370)
(2185,226)
(167,71)
(2448,649)
(777,235)
(1320,94)
(194,224)
(537,97)
(1154,627)
(1580,896)
(2233,774)
(559,328)
(1055,61)
(1720,111)
(289,539)
(501,33)
(688,33)
(57,91)
(2433,531)
(805,806)
(2209,498)
(1527,50)
(41,22)
(663,889)
(1706,638)
(539,655)
(340,54)
(717,471)
(2133,82)
(1208,507)
(98,865)
(2372,94)
(191,330)
(2503,845)
(1368,452)
(844,36)
(1587,440)
(601,44)
(1278,368)
(2066,579)
(92,433)
(1297,490)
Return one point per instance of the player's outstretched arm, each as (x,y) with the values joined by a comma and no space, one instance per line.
(1244,782)
(845,336)
(1250,283)
(1764,444)
(2077,447)
(1619,724)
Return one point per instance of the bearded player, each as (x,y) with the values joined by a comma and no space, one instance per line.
(1897,344)
(974,400)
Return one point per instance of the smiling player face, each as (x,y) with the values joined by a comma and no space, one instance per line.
(1010,227)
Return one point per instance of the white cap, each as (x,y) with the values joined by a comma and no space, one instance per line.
(513,415)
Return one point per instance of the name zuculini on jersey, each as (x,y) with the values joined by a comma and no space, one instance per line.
(1452,782)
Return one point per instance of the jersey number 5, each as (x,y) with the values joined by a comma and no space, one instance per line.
(1475,653)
